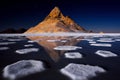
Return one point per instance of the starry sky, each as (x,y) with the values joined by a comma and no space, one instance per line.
(95,15)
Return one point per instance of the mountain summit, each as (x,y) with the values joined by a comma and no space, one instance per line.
(55,13)
(56,22)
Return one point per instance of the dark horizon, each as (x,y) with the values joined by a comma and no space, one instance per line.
(92,15)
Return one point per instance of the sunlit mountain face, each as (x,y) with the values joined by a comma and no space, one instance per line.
(56,22)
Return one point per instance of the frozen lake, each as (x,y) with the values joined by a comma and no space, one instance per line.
(79,56)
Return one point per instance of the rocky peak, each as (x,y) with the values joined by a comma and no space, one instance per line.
(55,13)
(56,22)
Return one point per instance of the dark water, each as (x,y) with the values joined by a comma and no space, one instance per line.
(55,60)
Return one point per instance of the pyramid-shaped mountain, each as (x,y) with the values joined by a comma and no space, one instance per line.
(56,22)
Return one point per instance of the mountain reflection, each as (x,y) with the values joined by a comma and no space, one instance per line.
(49,43)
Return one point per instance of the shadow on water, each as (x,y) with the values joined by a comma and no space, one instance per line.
(46,75)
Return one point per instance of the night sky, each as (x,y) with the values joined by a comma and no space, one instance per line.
(96,15)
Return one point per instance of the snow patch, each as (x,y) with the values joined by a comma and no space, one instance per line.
(80,71)
(23,68)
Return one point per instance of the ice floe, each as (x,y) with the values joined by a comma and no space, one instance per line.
(105,40)
(63,41)
(27,50)
(52,40)
(28,45)
(104,53)
(64,34)
(101,44)
(67,48)
(73,55)
(30,41)
(15,39)
(4,48)
(79,39)
(23,68)
(92,42)
(80,71)
(117,39)
(7,43)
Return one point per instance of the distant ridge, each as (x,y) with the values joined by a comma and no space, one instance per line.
(12,30)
